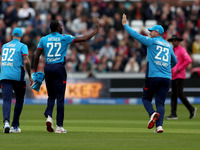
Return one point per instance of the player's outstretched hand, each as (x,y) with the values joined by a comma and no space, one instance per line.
(124,19)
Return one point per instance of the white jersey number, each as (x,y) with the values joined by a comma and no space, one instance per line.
(165,50)
(52,45)
(8,52)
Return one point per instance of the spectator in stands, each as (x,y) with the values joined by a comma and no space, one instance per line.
(25,14)
(107,50)
(132,66)
(196,45)
(42,6)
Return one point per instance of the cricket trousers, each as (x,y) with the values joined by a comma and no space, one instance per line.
(177,91)
(19,88)
(159,87)
(55,78)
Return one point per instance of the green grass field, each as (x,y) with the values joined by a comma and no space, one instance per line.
(103,127)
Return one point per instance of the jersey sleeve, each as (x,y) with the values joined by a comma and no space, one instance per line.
(173,58)
(69,38)
(141,38)
(24,50)
(40,44)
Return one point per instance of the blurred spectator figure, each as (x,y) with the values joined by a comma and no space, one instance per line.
(68,12)
(25,14)
(166,16)
(74,59)
(121,8)
(135,11)
(112,36)
(95,11)
(2,32)
(132,66)
(110,10)
(37,22)
(44,30)
(195,8)
(122,49)
(154,10)
(180,19)
(118,64)
(54,9)
(117,22)
(79,24)
(10,15)
(170,31)
(97,43)
(196,45)
(107,50)
(87,64)
(42,6)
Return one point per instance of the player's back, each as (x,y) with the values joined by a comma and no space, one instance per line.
(55,47)
(12,60)
(159,58)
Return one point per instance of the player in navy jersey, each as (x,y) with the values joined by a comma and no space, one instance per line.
(13,59)
(160,60)
(55,46)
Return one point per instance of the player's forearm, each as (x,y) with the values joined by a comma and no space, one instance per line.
(85,38)
(27,65)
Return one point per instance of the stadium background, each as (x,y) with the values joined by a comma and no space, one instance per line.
(110,68)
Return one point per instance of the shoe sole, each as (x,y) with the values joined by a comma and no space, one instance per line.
(152,122)
(195,110)
(49,128)
(160,131)
(7,130)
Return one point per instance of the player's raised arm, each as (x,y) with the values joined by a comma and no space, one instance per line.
(88,36)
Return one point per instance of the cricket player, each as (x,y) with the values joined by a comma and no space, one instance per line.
(160,60)
(55,46)
(13,60)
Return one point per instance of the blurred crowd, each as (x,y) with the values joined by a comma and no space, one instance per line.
(112,49)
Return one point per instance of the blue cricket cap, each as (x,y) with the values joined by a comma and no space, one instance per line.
(17,32)
(158,28)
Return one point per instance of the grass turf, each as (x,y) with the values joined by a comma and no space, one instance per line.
(103,127)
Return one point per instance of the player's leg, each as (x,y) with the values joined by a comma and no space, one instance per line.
(60,85)
(161,94)
(148,93)
(7,93)
(20,89)
(50,79)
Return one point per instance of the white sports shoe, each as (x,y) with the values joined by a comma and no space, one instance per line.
(60,130)
(15,130)
(159,129)
(49,124)
(6,127)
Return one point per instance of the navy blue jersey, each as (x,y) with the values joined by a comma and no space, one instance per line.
(160,54)
(12,65)
(55,47)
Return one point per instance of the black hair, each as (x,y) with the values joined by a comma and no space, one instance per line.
(54,25)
